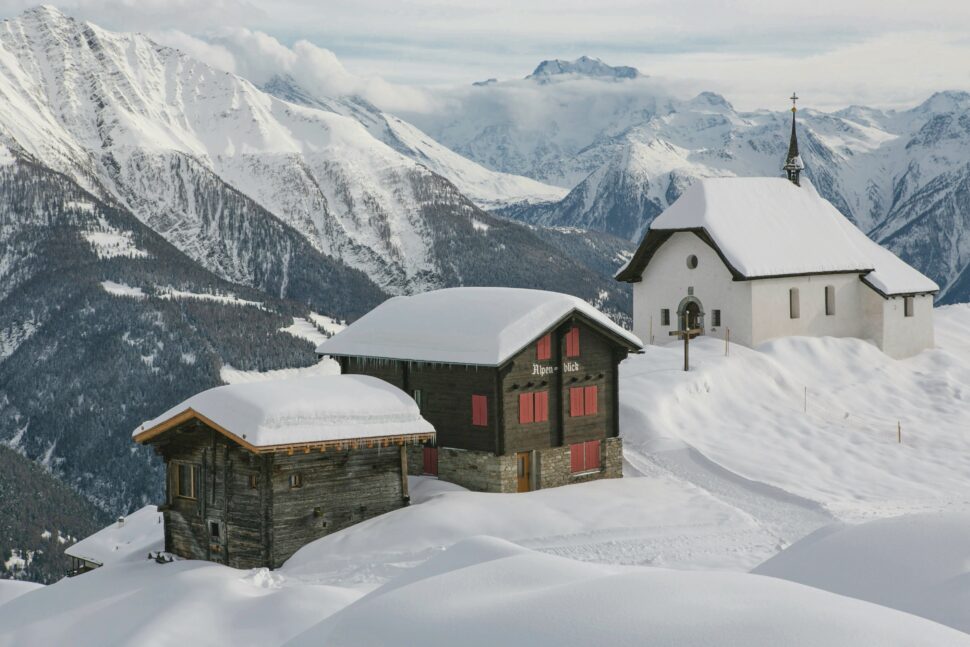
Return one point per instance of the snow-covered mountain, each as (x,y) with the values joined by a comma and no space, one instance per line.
(170,138)
(584,66)
(487,189)
(627,148)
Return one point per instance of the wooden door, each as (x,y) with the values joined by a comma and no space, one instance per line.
(430,466)
(523,471)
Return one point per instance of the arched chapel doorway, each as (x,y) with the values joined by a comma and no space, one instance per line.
(690,314)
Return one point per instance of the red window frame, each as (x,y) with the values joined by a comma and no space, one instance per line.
(480,410)
(544,348)
(526,408)
(572,342)
(584,457)
(577,402)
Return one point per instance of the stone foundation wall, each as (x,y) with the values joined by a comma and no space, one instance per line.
(485,472)
(554,467)
(478,471)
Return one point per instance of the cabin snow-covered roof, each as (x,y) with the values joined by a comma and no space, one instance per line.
(472,325)
(765,227)
(138,534)
(298,411)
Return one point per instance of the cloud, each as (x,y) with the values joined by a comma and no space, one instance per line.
(259,57)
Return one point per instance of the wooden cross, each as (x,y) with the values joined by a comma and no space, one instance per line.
(686,335)
(794,100)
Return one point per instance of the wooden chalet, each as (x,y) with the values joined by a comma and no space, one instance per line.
(257,470)
(520,385)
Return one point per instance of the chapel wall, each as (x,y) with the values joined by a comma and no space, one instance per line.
(667,280)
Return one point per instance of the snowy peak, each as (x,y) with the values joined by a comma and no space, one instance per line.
(582,66)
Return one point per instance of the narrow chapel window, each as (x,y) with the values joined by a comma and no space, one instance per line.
(715,318)
(908,306)
(665,317)
(829,300)
(793,305)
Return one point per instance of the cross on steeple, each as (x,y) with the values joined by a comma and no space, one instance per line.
(793,162)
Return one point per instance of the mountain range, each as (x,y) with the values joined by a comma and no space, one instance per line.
(626,148)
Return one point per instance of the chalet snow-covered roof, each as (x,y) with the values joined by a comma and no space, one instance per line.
(472,325)
(298,411)
(765,227)
(138,534)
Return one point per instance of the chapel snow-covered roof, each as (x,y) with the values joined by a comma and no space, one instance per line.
(471,325)
(298,411)
(766,227)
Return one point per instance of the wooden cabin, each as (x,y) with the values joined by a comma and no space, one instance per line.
(520,385)
(257,470)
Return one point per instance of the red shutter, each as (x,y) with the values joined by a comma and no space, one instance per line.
(542,406)
(576,401)
(544,348)
(577,458)
(590,400)
(572,342)
(479,410)
(592,455)
(525,408)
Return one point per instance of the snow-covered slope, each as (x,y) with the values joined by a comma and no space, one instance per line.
(819,418)
(484,592)
(915,563)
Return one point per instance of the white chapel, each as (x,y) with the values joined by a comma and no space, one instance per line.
(769,257)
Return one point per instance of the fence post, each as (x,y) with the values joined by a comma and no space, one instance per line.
(806,399)
(899,432)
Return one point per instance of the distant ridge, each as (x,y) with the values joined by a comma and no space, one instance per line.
(582,66)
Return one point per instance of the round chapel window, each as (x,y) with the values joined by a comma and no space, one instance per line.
(691,261)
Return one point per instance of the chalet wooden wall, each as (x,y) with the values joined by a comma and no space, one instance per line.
(264,525)
(446,397)
(340,488)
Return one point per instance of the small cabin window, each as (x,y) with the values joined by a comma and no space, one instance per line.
(572,342)
(544,348)
(480,410)
(691,262)
(908,303)
(187,481)
(253,481)
(794,308)
(419,399)
(829,300)
(296,480)
(214,529)
(715,318)
(665,317)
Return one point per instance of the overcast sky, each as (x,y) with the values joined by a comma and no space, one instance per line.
(887,53)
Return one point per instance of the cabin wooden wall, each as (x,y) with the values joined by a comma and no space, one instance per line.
(447,391)
(597,363)
(265,525)
(339,489)
(224,497)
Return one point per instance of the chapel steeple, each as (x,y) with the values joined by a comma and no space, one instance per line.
(793,162)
